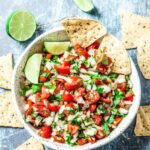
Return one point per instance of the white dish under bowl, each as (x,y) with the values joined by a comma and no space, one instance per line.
(60,35)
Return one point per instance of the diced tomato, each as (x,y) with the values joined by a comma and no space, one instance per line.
(46,71)
(92,96)
(91,139)
(81,141)
(73,129)
(43,79)
(93,45)
(53,107)
(66,63)
(117,121)
(122,104)
(92,108)
(43,111)
(45,131)
(97,119)
(45,93)
(63,69)
(59,139)
(76,83)
(122,86)
(106,100)
(100,134)
(29,110)
(102,68)
(39,103)
(99,82)
(58,88)
(29,102)
(71,105)
(67,96)
(81,51)
(129,96)
(83,66)
(48,56)
(70,57)
(38,96)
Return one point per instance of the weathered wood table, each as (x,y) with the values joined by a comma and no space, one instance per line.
(46,11)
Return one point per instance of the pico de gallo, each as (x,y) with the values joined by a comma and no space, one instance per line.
(78,99)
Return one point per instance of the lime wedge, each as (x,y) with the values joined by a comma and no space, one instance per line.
(21,25)
(85,5)
(32,68)
(56,48)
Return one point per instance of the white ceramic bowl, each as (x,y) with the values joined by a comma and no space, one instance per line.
(60,35)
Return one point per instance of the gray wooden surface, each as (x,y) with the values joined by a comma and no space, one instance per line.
(45,12)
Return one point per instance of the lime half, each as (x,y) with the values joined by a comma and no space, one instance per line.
(56,48)
(85,5)
(21,25)
(32,68)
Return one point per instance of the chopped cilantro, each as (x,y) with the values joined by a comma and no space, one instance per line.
(100,89)
(61,116)
(28,119)
(103,77)
(36,88)
(101,109)
(81,135)
(23,89)
(87,63)
(111,119)
(53,125)
(104,61)
(127,78)
(106,128)
(114,111)
(44,49)
(44,74)
(56,97)
(117,97)
(55,59)
(34,114)
(75,121)
(39,118)
(112,76)
(49,85)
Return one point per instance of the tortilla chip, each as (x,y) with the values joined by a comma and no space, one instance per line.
(6,71)
(83,31)
(31,144)
(143,55)
(133,27)
(8,116)
(142,127)
(116,51)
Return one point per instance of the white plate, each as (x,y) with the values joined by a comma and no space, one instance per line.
(60,35)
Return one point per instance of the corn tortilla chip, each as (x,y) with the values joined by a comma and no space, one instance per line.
(6,71)
(133,27)
(143,55)
(116,51)
(142,127)
(31,144)
(8,116)
(83,31)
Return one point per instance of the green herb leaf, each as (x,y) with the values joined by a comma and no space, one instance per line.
(81,135)
(106,128)
(36,88)
(23,89)
(127,77)
(56,97)
(104,61)
(75,121)
(111,119)
(61,116)
(117,97)
(100,89)
(55,59)
(53,125)
(49,85)
(101,109)
(112,76)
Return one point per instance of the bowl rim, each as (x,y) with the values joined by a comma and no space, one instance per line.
(99,143)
